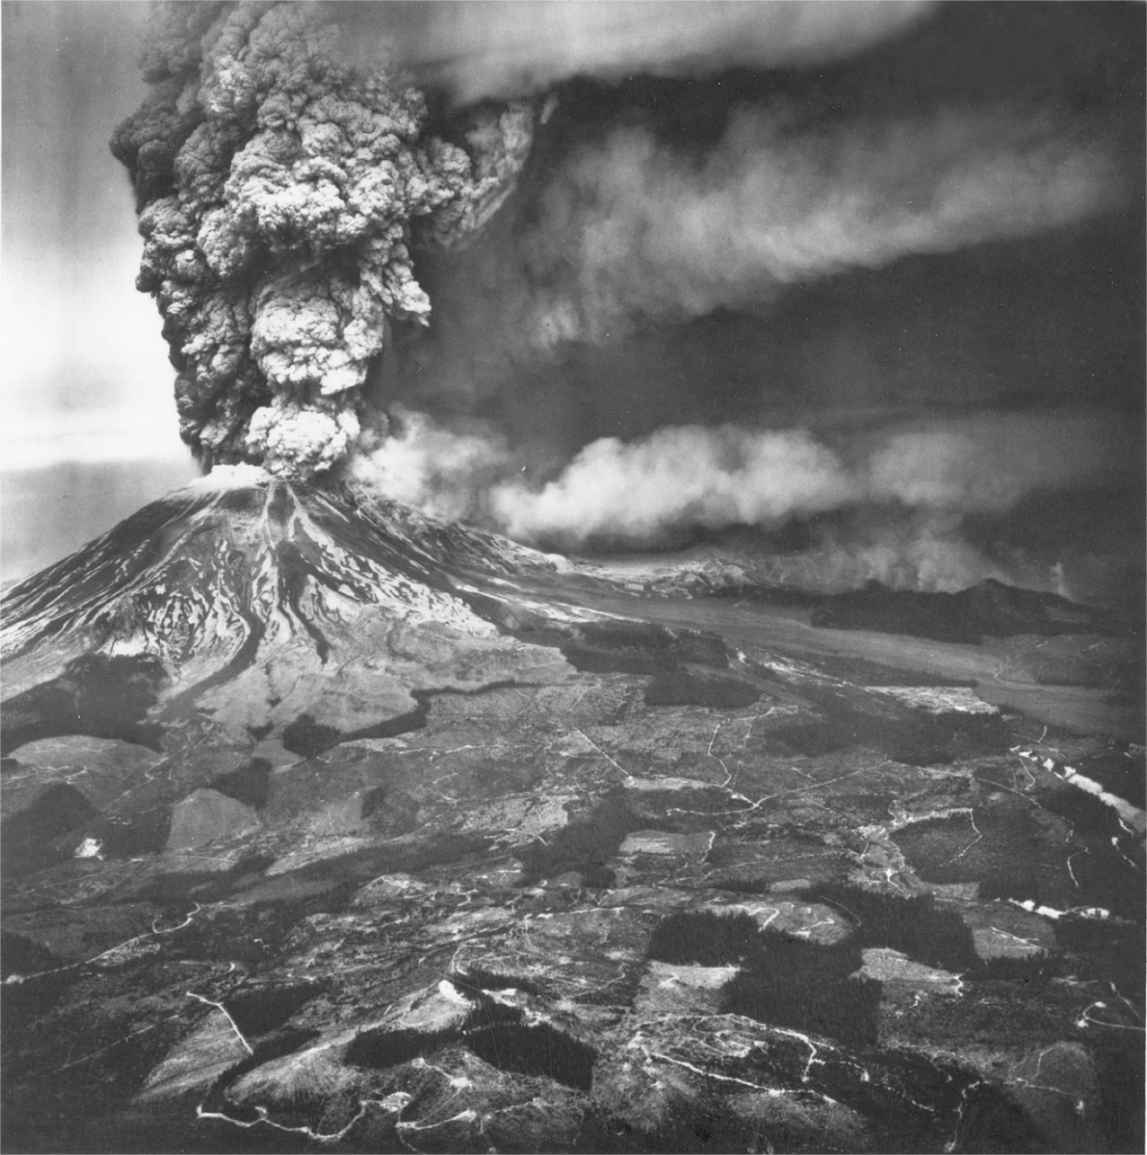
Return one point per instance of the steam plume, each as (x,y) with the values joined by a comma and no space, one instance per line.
(679,476)
(694,477)
(442,472)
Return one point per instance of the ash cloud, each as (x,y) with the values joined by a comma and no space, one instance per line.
(634,229)
(498,49)
(618,272)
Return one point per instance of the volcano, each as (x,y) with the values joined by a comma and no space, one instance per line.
(330,826)
(238,600)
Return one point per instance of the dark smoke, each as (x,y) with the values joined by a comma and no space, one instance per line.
(632,229)
(615,272)
(279,189)
(283,165)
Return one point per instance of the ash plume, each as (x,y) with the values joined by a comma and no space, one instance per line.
(634,228)
(924,551)
(279,190)
(532,264)
(502,48)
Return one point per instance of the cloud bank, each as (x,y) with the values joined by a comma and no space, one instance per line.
(695,477)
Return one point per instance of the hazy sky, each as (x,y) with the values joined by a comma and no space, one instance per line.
(85,371)
(85,368)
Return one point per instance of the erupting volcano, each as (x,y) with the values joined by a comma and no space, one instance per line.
(654,658)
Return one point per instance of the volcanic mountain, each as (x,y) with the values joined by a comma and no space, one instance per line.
(329,826)
(250,602)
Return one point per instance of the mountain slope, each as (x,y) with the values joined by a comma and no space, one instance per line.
(329,827)
(243,597)
(211,564)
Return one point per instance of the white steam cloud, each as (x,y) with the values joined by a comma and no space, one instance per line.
(679,476)
(683,477)
(439,471)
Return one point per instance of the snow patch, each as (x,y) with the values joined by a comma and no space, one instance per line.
(937,699)
(1032,907)
(1135,820)
(224,477)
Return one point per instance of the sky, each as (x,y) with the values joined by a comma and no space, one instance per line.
(85,376)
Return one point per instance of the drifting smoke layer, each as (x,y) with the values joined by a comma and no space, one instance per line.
(279,189)
(635,229)
(681,479)
(285,171)
(925,551)
(694,477)
(679,476)
(718,477)
(441,472)
(499,48)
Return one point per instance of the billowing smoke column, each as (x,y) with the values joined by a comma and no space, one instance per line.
(279,189)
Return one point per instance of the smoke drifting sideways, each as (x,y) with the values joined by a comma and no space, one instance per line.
(504,48)
(937,504)
(633,229)
(711,478)
(304,204)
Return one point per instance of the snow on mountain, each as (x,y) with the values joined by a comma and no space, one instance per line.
(255,594)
